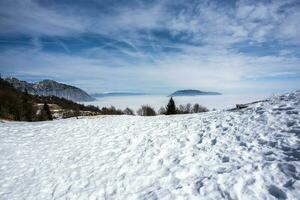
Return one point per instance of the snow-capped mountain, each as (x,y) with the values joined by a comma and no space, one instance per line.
(251,153)
(51,88)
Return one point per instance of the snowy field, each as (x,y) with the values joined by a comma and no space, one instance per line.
(157,101)
(253,153)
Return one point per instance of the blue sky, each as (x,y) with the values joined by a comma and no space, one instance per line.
(153,46)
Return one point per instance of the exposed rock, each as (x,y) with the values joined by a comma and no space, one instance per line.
(51,88)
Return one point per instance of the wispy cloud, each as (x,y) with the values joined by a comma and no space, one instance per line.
(157,46)
(28,17)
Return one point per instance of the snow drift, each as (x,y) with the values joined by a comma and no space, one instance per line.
(252,153)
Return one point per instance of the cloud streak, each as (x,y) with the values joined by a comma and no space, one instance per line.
(153,47)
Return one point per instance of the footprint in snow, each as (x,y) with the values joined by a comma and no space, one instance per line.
(198,185)
(243,144)
(149,196)
(292,112)
(289,184)
(290,123)
(277,192)
(200,140)
(291,154)
(214,141)
(225,159)
(288,169)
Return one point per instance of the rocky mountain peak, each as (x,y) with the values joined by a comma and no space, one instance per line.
(49,87)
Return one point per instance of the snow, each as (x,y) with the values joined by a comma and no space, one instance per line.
(252,153)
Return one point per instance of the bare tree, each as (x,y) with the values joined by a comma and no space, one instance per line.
(146,110)
(128,111)
(162,111)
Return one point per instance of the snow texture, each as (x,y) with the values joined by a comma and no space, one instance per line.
(252,153)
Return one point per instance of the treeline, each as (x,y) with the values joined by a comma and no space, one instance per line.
(114,111)
(146,110)
(15,105)
(171,109)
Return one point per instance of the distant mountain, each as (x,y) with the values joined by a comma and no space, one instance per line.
(114,94)
(193,93)
(51,88)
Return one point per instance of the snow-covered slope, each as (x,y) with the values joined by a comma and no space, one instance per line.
(253,153)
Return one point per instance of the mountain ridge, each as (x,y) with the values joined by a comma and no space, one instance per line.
(49,87)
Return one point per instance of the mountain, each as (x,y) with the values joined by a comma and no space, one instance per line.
(193,93)
(21,106)
(51,88)
(113,94)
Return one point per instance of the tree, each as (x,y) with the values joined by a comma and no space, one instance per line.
(180,109)
(27,109)
(198,108)
(162,111)
(128,111)
(171,108)
(146,111)
(184,109)
(203,109)
(111,111)
(188,108)
(47,111)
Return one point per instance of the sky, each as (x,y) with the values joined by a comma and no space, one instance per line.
(153,46)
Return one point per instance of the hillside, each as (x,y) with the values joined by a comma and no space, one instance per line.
(51,88)
(193,93)
(21,106)
(252,153)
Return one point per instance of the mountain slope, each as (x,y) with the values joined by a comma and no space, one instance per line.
(192,93)
(21,106)
(51,88)
(251,153)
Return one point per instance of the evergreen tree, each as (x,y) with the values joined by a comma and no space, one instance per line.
(27,109)
(171,108)
(47,111)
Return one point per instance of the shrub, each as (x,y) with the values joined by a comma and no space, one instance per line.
(111,111)
(184,109)
(146,110)
(71,113)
